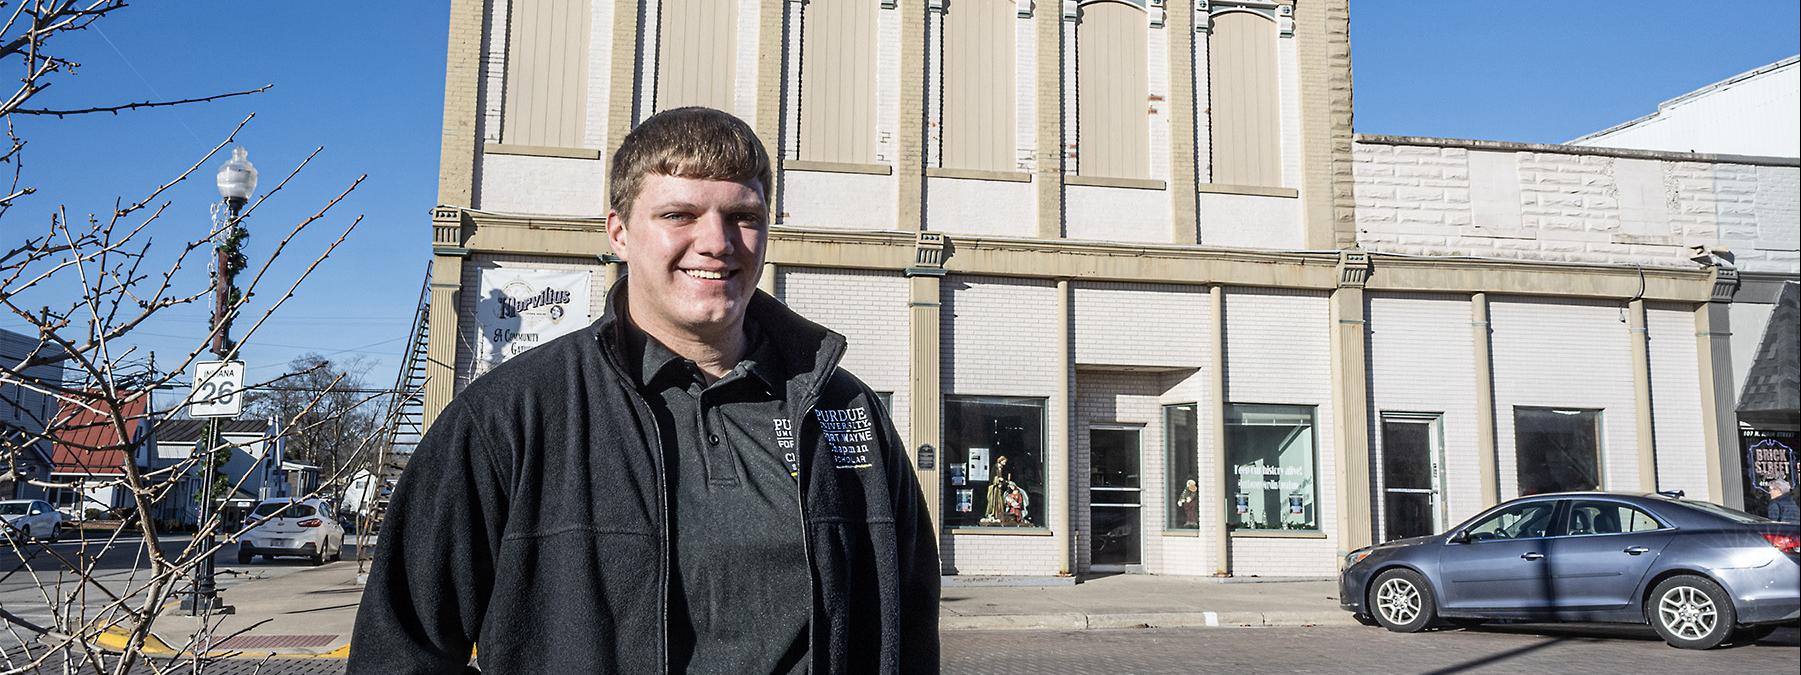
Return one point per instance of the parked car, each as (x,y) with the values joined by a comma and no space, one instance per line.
(31,519)
(307,528)
(1699,573)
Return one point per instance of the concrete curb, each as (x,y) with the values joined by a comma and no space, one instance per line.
(1082,621)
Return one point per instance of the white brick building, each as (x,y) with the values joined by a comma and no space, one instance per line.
(1210,330)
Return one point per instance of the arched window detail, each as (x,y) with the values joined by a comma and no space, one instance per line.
(978,85)
(1112,92)
(1246,129)
(837,81)
(696,53)
(546,73)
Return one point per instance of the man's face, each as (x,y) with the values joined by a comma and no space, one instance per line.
(695,247)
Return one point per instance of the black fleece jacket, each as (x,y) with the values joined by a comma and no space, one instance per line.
(533,520)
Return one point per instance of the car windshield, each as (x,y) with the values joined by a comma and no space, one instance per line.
(14,509)
(1723,512)
(293,510)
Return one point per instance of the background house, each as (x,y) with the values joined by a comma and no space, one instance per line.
(90,452)
(254,471)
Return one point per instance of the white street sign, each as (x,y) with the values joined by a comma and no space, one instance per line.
(218,389)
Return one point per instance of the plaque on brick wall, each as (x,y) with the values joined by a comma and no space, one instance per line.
(927,457)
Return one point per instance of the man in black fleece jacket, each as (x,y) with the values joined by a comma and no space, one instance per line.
(691,484)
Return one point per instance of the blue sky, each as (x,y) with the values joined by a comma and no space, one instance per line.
(1548,72)
(365,81)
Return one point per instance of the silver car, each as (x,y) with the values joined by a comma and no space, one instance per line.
(307,528)
(27,519)
(1699,573)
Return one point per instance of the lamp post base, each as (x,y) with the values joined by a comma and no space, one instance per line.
(197,604)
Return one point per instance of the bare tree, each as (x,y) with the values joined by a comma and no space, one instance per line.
(328,403)
(83,285)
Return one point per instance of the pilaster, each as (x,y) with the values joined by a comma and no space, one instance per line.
(1323,32)
(1183,182)
(1641,395)
(909,159)
(766,282)
(924,310)
(1047,166)
(771,37)
(1487,461)
(1062,413)
(1216,428)
(1350,401)
(1719,412)
(442,316)
(622,79)
(458,144)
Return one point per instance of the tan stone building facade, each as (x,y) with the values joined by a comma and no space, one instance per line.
(1135,293)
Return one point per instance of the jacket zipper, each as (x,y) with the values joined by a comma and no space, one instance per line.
(656,441)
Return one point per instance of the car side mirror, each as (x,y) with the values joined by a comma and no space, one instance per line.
(1461,537)
(37,512)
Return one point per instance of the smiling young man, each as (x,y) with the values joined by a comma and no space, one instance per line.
(690,485)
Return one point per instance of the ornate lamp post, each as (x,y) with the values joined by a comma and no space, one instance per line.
(236,181)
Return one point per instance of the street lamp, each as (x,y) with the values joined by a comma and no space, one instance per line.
(237,182)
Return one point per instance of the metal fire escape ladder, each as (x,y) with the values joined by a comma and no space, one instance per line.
(405,414)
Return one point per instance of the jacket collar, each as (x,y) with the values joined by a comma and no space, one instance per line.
(796,355)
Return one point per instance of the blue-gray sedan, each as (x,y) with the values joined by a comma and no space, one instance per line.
(1699,573)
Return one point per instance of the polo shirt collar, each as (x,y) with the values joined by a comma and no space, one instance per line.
(654,358)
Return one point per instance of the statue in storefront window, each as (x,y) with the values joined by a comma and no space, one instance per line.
(1006,502)
(1189,504)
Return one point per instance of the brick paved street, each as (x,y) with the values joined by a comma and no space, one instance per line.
(1351,650)
(1500,649)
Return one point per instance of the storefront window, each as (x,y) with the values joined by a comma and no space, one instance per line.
(1557,450)
(1182,479)
(1271,458)
(994,462)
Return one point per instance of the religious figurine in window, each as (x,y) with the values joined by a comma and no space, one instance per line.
(1189,504)
(1006,501)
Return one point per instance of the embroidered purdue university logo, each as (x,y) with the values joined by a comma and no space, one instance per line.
(849,433)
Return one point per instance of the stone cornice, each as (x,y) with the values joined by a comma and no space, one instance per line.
(1592,151)
(899,251)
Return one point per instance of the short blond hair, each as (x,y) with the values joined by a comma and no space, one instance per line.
(692,142)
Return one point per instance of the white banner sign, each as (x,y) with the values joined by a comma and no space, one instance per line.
(523,308)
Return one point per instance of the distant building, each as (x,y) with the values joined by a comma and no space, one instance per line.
(1757,112)
(1124,267)
(24,413)
(90,452)
(256,470)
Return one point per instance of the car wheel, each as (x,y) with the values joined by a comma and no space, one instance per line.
(1748,634)
(244,557)
(316,559)
(1402,602)
(1691,612)
(56,532)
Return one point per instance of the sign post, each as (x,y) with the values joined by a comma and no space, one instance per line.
(219,394)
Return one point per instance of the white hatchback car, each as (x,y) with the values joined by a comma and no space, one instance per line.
(31,519)
(307,528)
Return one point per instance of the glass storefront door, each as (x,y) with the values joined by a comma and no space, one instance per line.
(1114,497)
(1410,476)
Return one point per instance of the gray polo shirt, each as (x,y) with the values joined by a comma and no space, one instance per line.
(741,586)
